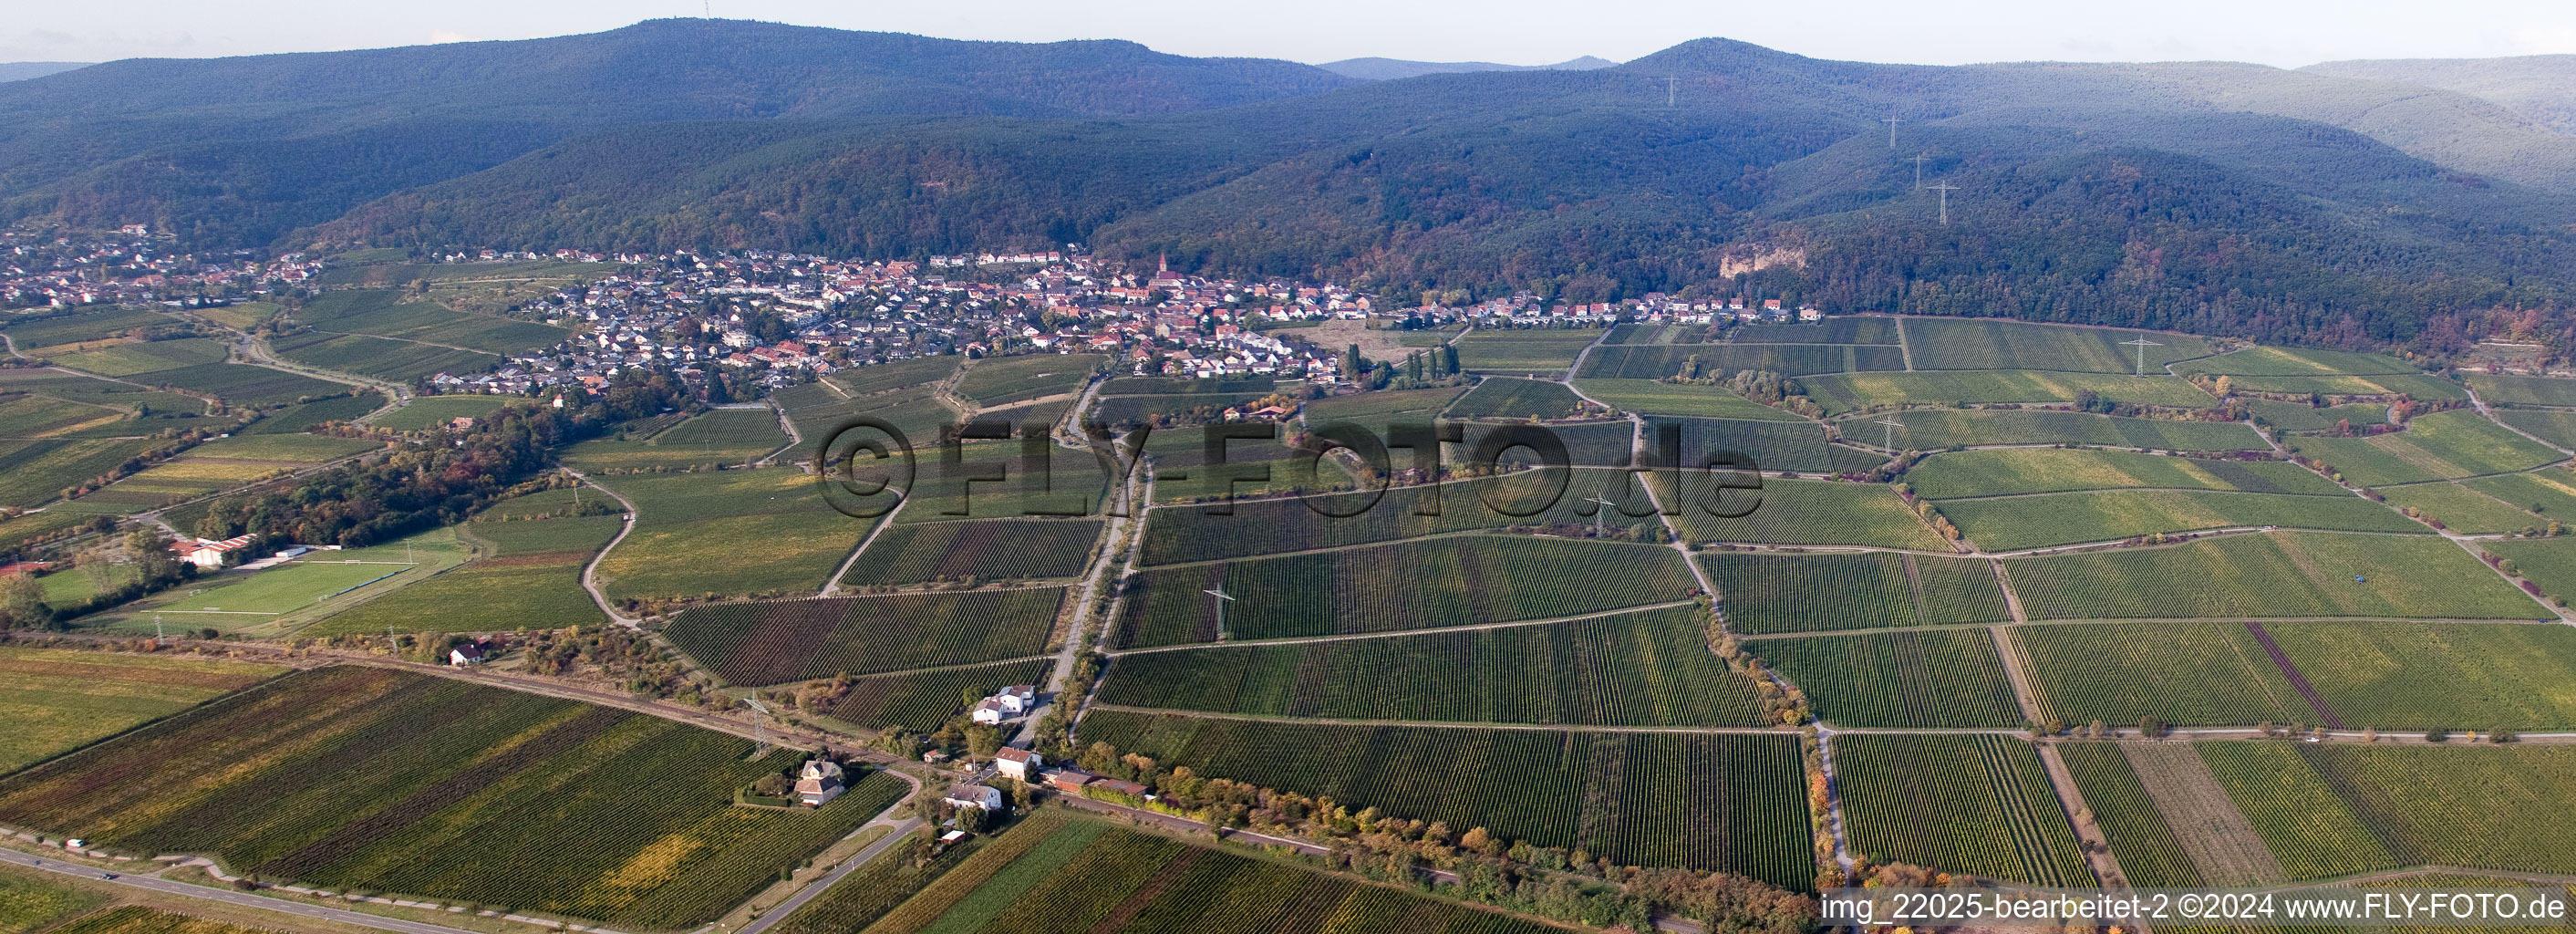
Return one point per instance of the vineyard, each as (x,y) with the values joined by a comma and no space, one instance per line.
(2286,361)
(2149,854)
(2310,829)
(1839,329)
(1506,397)
(982,550)
(727,533)
(1258,527)
(58,699)
(1775,445)
(1934,429)
(2514,390)
(1408,585)
(1658,361)
(1861,590)
(2557,428)
(30,904)
(921,701)
(1939,678)
(995,383)
(2414,675)
(875,889)
(1650,668)
(1730,802)
(2462,508)
(1799,512)
(2012,523)
(1995,344)
(722,436)
(1840,393)
(2270,575)
(1535,351)
(2009,471)
(2185,673)
(2301,416)
(137,919)
(2440,446)
(1976,804)
(1651,397)
(2503,808)
(792,640)
(363,777)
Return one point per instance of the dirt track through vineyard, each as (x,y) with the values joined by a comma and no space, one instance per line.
(2213,833)
(2291,671)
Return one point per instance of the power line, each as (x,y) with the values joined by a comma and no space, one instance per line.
(1945,188)
(1891,129)
(2142,344)
(1918,170)
(1221,600)
(1892,426)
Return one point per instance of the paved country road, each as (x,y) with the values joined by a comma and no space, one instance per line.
(242,899)
(902,831)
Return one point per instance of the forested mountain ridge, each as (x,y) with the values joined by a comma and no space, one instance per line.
(227,147)
(2210,196)
(2541,87)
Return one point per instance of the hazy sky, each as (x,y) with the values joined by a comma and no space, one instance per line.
(2276,32)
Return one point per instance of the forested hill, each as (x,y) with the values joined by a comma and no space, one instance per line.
(2541,87)
(249,148)
(2225,198)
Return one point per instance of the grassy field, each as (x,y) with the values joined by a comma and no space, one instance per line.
(2517,390)
(1810,593)
(426,412)
(1937,678)
(1648,397)
(528,576)
(2415,676)
(370,778)
(1731,802)
(1934,429)
(1191,533)
(1537,351)
(1064,872)
(2012,523)
(792,640)
(1386,588)
(2183,673)
(1662,361)
(1976,804)
(1801,512)
(2440,446)
(57,699)
(1506,397)
(2280,574)
(1006,381)
(731,532)
(720,436)
(2008,471)
(2462,508)
(129,359)
(2413,385)
(2300,416)
(921,701)
(982,550)
(2287,361)
(1994,344)
(1846,392)
(1376,409)
(1650,668)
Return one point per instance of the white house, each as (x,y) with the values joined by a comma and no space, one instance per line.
(1012,703)
(820,782)
(1018,763)
(464,654)
(208,553)
(986,797)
